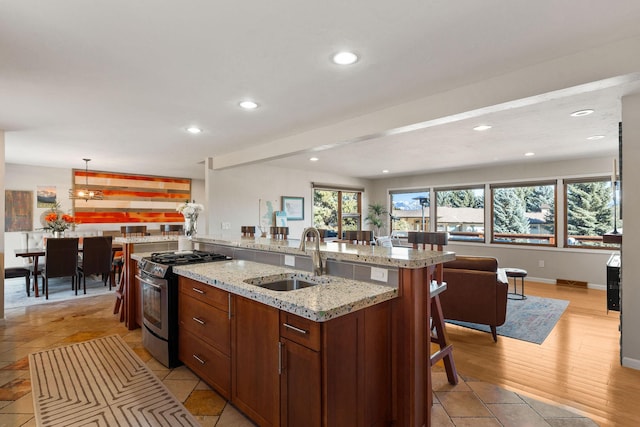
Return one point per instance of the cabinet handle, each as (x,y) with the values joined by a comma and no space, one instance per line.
(198,320)
(301,331)
(195,356)
(200,291)
(280,358)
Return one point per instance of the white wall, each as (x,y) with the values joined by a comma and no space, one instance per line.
(235,194)
(630,315)
(559,263)
(28,178)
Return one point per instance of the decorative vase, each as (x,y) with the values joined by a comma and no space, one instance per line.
(190,225)
(58,234)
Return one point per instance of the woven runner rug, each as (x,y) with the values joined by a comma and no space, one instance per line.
(101,382)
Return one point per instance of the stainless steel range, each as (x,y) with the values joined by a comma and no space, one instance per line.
(160,300)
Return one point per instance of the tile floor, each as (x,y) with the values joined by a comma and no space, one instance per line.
(35,327)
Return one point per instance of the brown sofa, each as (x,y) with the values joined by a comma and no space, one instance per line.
(475,292)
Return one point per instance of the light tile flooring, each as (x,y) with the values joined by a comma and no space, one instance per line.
(36,327)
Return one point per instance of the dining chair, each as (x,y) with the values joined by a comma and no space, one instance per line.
(133,230)
(61,261)
(248,230)
(359,237)
(437,241)
(97,258)
(172,229)
(13,272)
(279,232)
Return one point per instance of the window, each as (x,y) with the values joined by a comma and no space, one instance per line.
(409,212)
(337,210)
(590,212)
(460,211)
(524,214)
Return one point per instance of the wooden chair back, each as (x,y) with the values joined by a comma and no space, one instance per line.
(248,230)
(279,232)
(133,230)
(435,240)
(171,229)
(97,255)
(310,237)
(61,257)
(359,237)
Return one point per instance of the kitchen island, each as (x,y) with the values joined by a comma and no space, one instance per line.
(356,353)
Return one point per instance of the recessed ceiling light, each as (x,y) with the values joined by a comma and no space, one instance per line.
(581,113)
(385,171)
(194,130)
(345,58)
(529,154)
(248,104)
(314,159)
(595,137)
(482,127)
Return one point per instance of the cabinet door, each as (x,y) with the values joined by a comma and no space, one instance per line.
(254,361)
(300,386)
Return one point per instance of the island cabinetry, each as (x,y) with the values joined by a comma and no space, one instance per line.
(300,372)
(255,361)
(205,333)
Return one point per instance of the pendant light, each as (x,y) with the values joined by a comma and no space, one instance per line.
(85,193)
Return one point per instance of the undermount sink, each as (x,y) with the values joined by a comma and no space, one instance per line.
(282,282)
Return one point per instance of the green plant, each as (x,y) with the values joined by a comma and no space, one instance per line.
(375,217)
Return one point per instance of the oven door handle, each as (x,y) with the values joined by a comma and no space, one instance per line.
(143,280)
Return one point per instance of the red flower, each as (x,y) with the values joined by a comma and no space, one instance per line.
(67,218)
(51,217)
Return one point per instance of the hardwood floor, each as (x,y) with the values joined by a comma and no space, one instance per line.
(578,365)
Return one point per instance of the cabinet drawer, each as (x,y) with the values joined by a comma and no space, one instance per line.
(300,330)
(208,363)
(206,322)
(214,296)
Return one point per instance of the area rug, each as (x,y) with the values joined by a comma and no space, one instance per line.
(100,382)
(531,319)
(15,294)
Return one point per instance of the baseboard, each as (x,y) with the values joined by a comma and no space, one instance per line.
(627,362)
(553,282)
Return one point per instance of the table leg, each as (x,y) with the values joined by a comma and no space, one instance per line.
(35,276)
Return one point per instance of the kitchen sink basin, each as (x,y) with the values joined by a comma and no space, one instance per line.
(282,282)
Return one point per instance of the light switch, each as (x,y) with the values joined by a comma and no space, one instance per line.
(290,260)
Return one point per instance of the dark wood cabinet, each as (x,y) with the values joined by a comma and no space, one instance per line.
(285,370)
(255,360)
(204,335)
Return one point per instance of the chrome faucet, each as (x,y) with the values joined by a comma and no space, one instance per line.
(316,257)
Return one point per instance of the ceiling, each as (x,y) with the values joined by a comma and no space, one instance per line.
(119,81)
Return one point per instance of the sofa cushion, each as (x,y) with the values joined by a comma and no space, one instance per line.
(473,263)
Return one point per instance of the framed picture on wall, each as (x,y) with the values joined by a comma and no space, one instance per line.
(294,207)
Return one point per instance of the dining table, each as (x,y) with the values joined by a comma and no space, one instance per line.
(36,253)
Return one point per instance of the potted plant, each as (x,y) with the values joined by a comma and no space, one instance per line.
(376,217)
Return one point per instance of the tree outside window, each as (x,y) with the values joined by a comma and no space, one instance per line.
(460,212)
(590,213)
(524,214)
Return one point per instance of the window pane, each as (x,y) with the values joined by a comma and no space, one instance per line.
(461,213)
(409,212)
(325,209)
(524,215)
(336,211)
(590,213)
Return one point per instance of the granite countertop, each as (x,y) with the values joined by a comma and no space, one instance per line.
(401,257)
(333,297)
(145,239)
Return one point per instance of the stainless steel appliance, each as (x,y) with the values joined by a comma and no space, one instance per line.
(160,300)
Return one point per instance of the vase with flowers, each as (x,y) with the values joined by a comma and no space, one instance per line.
(57,222)
(190,212)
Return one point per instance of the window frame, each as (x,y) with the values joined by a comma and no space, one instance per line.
(480,239)
(553,240)
(339,210)
(565,186)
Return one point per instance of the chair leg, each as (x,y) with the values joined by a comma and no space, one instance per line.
(45,285)
(494,333)
(445,352)
(28,283)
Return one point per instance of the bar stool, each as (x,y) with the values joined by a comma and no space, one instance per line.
(437,241)
(248,230)
(279,232)
(321,231)
(359,237)
(171,229)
